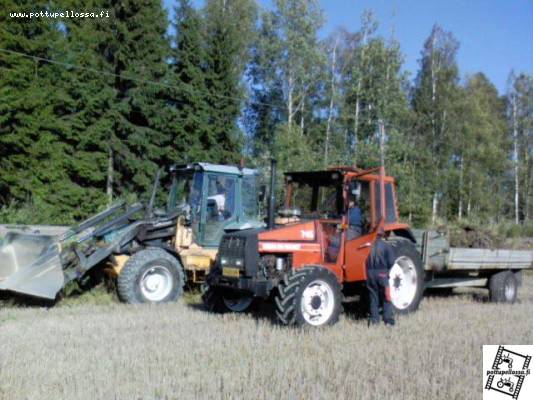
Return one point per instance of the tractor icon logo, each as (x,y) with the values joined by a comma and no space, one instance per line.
(506,359)
(506,382)
(509,370)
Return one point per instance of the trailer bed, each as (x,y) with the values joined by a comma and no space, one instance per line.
(438,256)
(467,259)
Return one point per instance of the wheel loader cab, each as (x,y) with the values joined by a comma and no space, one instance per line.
(217,198)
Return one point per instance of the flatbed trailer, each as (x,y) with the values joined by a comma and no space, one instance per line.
(447,267)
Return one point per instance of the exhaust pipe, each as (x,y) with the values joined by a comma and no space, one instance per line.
(272,198)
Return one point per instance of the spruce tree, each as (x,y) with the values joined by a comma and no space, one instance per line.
(33,142)
(87,107)
(192,138)
(230,26)
(140,115)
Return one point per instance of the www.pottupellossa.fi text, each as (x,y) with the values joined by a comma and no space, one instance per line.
(61,14)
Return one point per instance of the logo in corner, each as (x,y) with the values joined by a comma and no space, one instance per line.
(507,372)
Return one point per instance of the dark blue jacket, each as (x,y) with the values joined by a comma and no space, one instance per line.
(382,256)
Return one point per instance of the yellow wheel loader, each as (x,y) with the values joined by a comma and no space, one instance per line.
(151,251)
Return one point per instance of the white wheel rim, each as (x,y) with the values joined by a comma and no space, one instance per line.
(238,304)
(317,303)
(403,282)
(156,283)
(509,291)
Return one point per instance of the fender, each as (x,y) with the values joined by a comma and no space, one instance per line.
(405,233)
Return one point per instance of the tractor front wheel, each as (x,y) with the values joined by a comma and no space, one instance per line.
(150,276)
(216,301)
(309,296)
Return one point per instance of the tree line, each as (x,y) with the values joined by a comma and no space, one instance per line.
(92,106)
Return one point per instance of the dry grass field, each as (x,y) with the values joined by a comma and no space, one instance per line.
(177,351)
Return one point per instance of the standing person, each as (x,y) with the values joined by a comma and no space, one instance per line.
(378,266)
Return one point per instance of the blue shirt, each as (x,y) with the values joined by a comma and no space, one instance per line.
(355,218)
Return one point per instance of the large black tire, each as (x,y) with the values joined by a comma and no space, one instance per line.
(409,260)
(133,281)
(317,285)
(503,287)
(217,301)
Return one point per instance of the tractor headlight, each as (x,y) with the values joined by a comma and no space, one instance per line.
(280,264)
(239,262)
(224,261)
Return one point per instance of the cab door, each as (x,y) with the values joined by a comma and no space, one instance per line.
(356,252)
(357,249)
(220,207)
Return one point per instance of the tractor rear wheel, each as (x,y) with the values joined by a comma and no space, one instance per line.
(309,296)
(503,287)
(406,277)
(150,276)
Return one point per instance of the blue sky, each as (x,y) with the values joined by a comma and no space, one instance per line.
(495,35)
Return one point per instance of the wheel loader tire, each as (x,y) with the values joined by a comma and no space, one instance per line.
(406,278)
(503,287)
(150,276)
(216,301)
(309,296)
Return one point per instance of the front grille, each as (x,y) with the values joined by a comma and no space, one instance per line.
(232,246)
(240,249)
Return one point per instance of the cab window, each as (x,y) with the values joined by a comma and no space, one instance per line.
(390,215)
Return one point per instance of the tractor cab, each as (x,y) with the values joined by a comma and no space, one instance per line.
(331,193)
(339,209)
(216,199)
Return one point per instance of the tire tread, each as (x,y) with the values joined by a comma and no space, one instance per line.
(286,300)
(127,279)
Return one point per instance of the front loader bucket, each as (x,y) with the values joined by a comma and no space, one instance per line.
(30,264)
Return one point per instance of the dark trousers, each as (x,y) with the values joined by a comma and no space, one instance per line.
(379,292)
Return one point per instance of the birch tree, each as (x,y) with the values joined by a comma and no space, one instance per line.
(520,117)
(435,90)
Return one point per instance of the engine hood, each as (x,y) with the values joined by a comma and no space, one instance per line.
(302,232)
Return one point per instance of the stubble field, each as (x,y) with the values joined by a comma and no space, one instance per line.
(178,351)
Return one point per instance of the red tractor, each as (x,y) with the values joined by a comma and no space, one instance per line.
(309,259)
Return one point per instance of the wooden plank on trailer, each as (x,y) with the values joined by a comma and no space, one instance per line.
(467,259)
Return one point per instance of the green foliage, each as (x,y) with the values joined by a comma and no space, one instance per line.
(32,140)
(189,95)
(34,212)
(229,32)
(126,97)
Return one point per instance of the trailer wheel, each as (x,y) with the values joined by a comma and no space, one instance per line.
(216,301)
(150,276)
(503,287)
(406,278)
(309,296)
